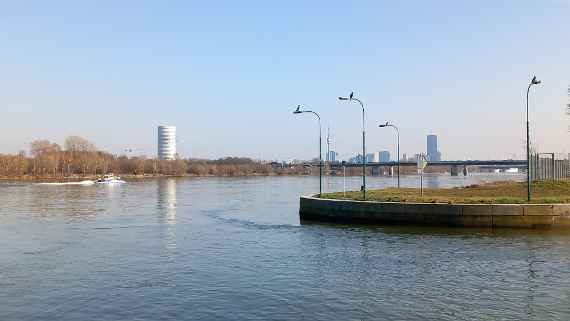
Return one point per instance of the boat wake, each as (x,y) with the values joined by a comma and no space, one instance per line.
(87,182)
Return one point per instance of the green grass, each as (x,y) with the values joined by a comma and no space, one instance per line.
(492,193)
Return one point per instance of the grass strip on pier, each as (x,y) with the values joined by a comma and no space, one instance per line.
(491,193)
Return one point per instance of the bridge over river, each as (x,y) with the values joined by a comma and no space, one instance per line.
(494,163)
(454,165)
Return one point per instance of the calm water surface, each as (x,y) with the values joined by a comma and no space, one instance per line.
(234,249)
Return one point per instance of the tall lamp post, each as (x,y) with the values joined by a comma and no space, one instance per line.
(534,81)
(299,111)
(352,98)
(388,124)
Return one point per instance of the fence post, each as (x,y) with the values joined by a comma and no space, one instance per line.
(537,164)
(531,163)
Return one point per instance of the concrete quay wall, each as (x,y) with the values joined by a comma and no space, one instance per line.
(436,214)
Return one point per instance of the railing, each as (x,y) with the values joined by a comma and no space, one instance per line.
(549,166)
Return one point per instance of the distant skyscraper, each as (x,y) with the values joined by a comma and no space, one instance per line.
(166,142)
(432,152)
(376,157)
(384,156)
(381,156)
(369,158)
(331,156)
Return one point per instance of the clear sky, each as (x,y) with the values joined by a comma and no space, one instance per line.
(228,74)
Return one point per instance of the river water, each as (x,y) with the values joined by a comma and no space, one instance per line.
(234,249)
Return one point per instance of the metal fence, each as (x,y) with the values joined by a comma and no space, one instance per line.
(549,166)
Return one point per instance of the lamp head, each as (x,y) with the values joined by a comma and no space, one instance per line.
(384,125)
(350,97)
(298,110)
(535,81)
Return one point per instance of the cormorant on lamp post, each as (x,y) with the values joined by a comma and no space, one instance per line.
(534,81)
(299,111)
(351,98)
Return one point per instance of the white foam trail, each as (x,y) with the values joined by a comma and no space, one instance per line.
(87,182)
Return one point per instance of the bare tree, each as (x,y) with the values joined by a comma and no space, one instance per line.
(78,144)
(140,164)
(45,157)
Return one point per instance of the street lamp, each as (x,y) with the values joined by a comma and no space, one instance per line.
(534,81)
(299,111)
(352,98)
(388,124)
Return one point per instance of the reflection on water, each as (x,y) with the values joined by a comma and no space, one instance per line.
(166,204)
(167,199)
(432,181)
(233,249)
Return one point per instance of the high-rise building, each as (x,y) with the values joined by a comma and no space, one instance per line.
(381,156)
(432,152)
(166,142)
(331,156)
(375,157)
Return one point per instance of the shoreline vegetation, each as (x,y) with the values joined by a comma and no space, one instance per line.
(79,159)
(505,192)
(129,177)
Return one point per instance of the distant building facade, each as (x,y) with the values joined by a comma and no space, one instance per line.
(433,152)
(370,158)
(381,156)
(413,158)
(166,142)
(375,157)
(332,156)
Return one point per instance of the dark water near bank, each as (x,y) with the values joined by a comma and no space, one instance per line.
(234,249)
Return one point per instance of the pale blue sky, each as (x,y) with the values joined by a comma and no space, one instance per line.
(228,74)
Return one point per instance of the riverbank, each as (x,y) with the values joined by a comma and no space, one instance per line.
(74,178)
(509,192)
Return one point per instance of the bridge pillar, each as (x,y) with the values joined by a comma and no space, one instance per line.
(465,170)
(454,170)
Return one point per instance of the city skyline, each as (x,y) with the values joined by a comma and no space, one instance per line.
(230,84)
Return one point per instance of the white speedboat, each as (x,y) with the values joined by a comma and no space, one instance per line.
(110,179)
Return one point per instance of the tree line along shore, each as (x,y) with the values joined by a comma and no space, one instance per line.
(79,158)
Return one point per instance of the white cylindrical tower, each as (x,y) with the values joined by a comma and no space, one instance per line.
(166,142)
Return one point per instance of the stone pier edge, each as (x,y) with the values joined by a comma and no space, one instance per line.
(436,214)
